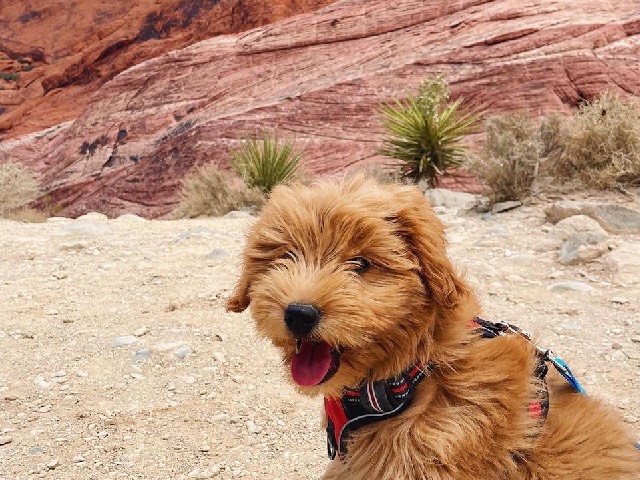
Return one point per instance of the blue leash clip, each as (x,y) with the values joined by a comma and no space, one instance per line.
(564,370)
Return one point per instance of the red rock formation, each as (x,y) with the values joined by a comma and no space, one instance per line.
(63,54)
(320,78)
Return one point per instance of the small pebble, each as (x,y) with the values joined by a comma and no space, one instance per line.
(182,352)
(123,341)
(53,464)
(570,326)
(575,286)
(253,427)
(616,346)
(619,300)
(218,254)
(218,357)
(141,355)
(5,440)
(619,356)
(220,417)
(141,331)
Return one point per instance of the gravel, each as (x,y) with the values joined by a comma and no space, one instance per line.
(208,398)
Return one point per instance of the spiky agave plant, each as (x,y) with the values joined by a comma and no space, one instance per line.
(266,162)
(424,131)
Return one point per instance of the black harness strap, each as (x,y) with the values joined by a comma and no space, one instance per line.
(376,401)
(371,402)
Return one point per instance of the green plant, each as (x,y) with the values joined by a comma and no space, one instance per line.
(425,131)
(209,192)
(26,67)
(509,162)
(602,143)
(264,163)
(10,76)
(18,186)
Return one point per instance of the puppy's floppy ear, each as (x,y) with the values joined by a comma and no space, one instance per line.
(239,299)
(424,235)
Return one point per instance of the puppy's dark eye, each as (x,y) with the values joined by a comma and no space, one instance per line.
(359,264)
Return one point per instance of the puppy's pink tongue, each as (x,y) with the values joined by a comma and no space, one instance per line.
(311,364)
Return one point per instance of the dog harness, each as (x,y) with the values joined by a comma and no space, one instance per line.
(375,401)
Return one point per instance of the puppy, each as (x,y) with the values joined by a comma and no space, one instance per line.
(351,282)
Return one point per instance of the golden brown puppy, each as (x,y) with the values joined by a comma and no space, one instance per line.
(351,281)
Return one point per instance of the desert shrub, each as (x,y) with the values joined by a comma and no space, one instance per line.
(27,215)
(10,76)
(210,192)
(383,173)
(602,143)
(265,162)
(425,131)
(552,135)
(509,162)
(18,186)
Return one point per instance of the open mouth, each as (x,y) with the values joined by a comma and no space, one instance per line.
(314,363)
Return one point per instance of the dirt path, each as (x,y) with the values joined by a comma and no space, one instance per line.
(117,359)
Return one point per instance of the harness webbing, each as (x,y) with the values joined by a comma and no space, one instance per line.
(372,402)
(376,401)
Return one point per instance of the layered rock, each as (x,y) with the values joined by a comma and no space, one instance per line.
(320,78)
(62,54)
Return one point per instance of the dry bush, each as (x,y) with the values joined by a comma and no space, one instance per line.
(383,173)
(602,143)
(509,162)
(18,186)
(208,192)
(27,215)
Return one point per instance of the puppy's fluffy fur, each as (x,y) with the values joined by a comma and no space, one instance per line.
(469,420)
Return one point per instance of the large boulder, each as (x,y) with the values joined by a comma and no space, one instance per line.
(611,217)
(624,264)
(583,247)
(441,197)
(577,224)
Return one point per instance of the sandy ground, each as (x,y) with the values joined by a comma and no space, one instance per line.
(117,359)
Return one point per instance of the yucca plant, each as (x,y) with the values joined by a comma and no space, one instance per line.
(264,163)
(424,131)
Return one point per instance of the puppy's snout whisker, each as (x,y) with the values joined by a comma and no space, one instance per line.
(301,318)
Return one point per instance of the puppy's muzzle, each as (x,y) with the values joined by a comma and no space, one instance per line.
(301,318)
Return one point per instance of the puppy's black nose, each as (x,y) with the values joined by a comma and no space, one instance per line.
(301,318)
